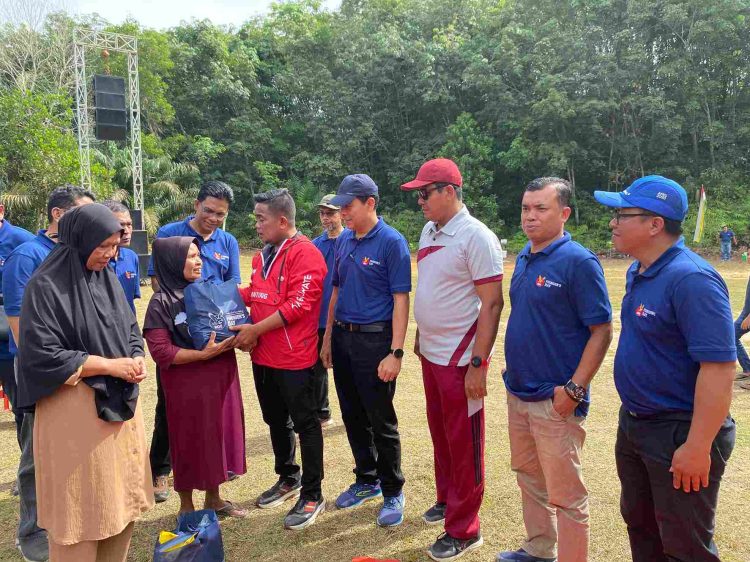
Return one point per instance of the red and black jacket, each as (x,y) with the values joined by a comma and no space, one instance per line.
(292,286)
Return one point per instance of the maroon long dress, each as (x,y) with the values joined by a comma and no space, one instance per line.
(204,414)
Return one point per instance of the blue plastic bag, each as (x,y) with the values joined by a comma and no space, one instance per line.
(196,539)
(213,308)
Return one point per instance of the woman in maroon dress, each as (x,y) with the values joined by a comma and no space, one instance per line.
(201,388)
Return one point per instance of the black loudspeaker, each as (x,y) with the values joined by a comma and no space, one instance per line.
(110,113)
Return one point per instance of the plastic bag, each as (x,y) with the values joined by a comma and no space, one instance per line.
(213,308)
(196,539)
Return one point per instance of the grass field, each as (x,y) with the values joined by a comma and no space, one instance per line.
(339,536)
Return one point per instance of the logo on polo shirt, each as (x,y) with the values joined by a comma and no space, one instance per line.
(130,275)
(642,311)
(542,281)
(369,261)
(219,256)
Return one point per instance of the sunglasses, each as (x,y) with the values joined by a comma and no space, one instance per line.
(424,194)
(617,215)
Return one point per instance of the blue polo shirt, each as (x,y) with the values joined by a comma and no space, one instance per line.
(19,267)
(125,265)
(556,294)
(726,236)
(326,246)
(220,253)
(368,271)
(10,237)
(674,315)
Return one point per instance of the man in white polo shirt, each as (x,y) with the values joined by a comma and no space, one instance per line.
(457,308)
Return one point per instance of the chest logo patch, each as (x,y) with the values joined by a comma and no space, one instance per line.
(130,275)
(643,312)
(220,256)
(369,261)
(542,281)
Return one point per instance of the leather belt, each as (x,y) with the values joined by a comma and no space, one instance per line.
(374,328)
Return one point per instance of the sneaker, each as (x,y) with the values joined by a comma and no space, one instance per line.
(357,494)
(447,547)
(232,476)
(392,512)
(435,515)
(304,513)
(520,555)
(278,494)
(34,548)
(327,422)
(161,489)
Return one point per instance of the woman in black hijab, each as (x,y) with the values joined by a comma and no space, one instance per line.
(93,475)
(201,387)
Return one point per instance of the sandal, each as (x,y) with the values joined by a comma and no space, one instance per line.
(230,510)
(745,385)
(742,376)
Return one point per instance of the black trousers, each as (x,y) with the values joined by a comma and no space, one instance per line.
(664,524)
(367,409)
(287,401)
(8,380)
(321,383)
(161,464)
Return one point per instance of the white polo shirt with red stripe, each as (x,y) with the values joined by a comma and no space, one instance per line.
(451,262)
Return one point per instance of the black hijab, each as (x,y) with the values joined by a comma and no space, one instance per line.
(166,309)
(70,312)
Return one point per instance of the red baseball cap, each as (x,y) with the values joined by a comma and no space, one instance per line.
(438,170)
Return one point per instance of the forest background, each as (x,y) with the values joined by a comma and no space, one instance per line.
(597,91)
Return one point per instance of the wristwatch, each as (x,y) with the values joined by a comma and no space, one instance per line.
(477,362)
(397,353)
(576,392)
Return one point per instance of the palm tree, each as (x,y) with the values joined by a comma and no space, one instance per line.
(169,188)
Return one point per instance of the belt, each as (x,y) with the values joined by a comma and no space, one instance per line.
(376,327)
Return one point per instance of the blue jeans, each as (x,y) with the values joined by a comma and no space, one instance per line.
(742,356)
(726,250)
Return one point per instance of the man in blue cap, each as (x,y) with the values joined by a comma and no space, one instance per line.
(674,369)
(364,339)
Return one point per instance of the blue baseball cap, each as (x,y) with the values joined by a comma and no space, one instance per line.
(657,194)
(353,186)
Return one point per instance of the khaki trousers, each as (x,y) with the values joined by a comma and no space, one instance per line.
(545,454)
(112,549)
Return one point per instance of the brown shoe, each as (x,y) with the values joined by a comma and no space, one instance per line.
(161,489)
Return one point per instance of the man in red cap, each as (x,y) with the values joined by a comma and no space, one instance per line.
(457,308)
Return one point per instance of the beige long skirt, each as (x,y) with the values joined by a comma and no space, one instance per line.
(93,477)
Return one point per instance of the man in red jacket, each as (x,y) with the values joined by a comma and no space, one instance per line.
(284,296)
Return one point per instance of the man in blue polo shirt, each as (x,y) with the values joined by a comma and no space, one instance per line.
(558,333)
(19,267)
(220,254)
(220,251)
(674,370)
(125,263)
(330,218)
(364,340)
(10,237)
(726,238)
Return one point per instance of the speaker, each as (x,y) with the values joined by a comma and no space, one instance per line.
(110,114)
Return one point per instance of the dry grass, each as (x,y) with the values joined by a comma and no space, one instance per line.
(339,536)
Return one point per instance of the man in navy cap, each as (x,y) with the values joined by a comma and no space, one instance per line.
(364,340)
(674,369)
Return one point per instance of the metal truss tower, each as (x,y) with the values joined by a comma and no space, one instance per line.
(90,39)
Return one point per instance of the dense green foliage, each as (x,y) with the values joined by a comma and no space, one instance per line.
(597,91)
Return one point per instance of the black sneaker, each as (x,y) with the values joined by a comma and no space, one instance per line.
(448,548)
(435,515)
(278,494)
(304,513)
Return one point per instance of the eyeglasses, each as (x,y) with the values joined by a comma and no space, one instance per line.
(617,215)
(211,213)
(424,194)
